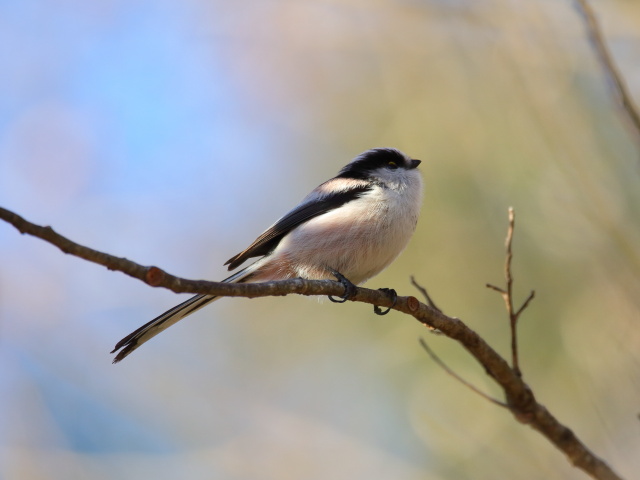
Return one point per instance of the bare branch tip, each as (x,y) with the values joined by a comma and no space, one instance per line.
(497,289)
(450,372)
(525,304)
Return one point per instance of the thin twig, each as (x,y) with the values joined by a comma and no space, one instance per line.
(507,294)
(497,289)
(425,294)
(467,384)
(508,299)
(619,87)
(521,400)
(525,304)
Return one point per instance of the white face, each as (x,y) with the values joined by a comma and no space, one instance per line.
(390,168)
(400,177)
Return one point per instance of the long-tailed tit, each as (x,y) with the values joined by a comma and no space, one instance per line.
(352,226)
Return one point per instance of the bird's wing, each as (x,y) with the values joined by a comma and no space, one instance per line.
(316,204)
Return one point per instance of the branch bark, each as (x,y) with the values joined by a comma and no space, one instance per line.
(519,397)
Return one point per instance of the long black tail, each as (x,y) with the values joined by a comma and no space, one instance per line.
(149,330)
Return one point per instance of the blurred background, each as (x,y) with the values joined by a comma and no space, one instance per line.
(130,127)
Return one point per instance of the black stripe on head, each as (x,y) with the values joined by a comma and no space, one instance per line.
(365,163)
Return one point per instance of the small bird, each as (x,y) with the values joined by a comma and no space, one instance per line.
(350,227)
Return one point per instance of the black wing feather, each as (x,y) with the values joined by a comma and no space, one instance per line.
(270,239)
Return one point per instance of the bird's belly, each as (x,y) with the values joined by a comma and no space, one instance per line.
(358,247)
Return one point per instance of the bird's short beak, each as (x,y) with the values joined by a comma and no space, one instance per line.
(415,163)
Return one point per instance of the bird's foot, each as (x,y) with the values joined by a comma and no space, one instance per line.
(394,298)
(349,288)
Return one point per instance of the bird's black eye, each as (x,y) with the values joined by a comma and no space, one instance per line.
(392,165)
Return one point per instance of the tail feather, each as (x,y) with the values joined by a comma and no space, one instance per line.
(149,330)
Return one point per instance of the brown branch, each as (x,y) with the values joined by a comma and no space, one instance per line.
(507,294)
(467,384)
(525,304)
(519,397)
(425,294)
(619,87)
(513,319)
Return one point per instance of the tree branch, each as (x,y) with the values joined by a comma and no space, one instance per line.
(507,294)
(620,89)
(519,396)
(425,294)
(449,371)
